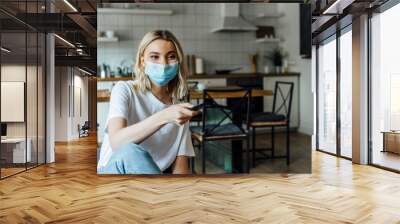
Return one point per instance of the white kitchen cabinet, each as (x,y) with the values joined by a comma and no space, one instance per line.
(102,109)
(102,113)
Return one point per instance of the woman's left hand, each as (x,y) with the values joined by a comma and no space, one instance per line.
(179,113)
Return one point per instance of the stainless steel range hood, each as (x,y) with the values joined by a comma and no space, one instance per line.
(231,21)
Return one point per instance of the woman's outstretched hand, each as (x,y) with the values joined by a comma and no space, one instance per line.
(179,113)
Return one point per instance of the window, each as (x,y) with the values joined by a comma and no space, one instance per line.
(334,106)
(346,93)
(327,96)
(385,88)
(22,76)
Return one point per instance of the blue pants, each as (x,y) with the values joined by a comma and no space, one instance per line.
(130,159)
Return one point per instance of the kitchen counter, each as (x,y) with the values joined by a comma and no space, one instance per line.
(242,75)
(214,76)
(104,95)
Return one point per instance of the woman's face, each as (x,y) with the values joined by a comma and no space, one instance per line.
(161,52)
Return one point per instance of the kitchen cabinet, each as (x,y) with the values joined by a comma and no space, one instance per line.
(102,113)
(104,85)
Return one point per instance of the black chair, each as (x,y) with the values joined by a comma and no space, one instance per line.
(84,130)
(278,117)
(229,125)
(192,85)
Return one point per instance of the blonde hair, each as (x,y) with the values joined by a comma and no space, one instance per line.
(177,87)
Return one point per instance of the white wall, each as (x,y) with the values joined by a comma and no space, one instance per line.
(80,83)
(192,23)
(69,79)
(61,103)
(50,98)
(289,27)
(314,94)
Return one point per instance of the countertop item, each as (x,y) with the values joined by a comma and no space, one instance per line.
(199,66)
(226,71)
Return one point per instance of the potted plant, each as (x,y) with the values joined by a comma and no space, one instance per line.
(276,56)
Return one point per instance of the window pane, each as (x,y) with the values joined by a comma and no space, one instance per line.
(41,98)
(31,99)
(345,94)
(14,153)
(385,88)
(327,97)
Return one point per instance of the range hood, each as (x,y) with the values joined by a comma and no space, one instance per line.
(231,21)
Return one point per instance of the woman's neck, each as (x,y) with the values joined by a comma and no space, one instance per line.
(161,92)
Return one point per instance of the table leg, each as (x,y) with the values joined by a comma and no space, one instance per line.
(237,158)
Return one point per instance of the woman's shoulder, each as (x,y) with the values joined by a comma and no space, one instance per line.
(125,86)
(122,89)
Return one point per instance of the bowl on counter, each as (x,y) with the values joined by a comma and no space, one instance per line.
(109,33)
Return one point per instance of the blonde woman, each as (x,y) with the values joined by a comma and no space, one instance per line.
(147,130)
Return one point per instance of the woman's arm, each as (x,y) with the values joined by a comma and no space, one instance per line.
(120,133)
(181,165)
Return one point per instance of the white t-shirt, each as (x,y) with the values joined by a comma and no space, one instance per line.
(165,144)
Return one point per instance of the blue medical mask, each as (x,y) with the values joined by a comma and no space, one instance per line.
(161,74)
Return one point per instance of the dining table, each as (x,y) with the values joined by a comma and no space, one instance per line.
(196,94)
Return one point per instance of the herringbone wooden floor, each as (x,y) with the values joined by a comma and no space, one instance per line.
(70,191)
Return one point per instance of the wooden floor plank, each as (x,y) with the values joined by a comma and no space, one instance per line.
(70,191)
